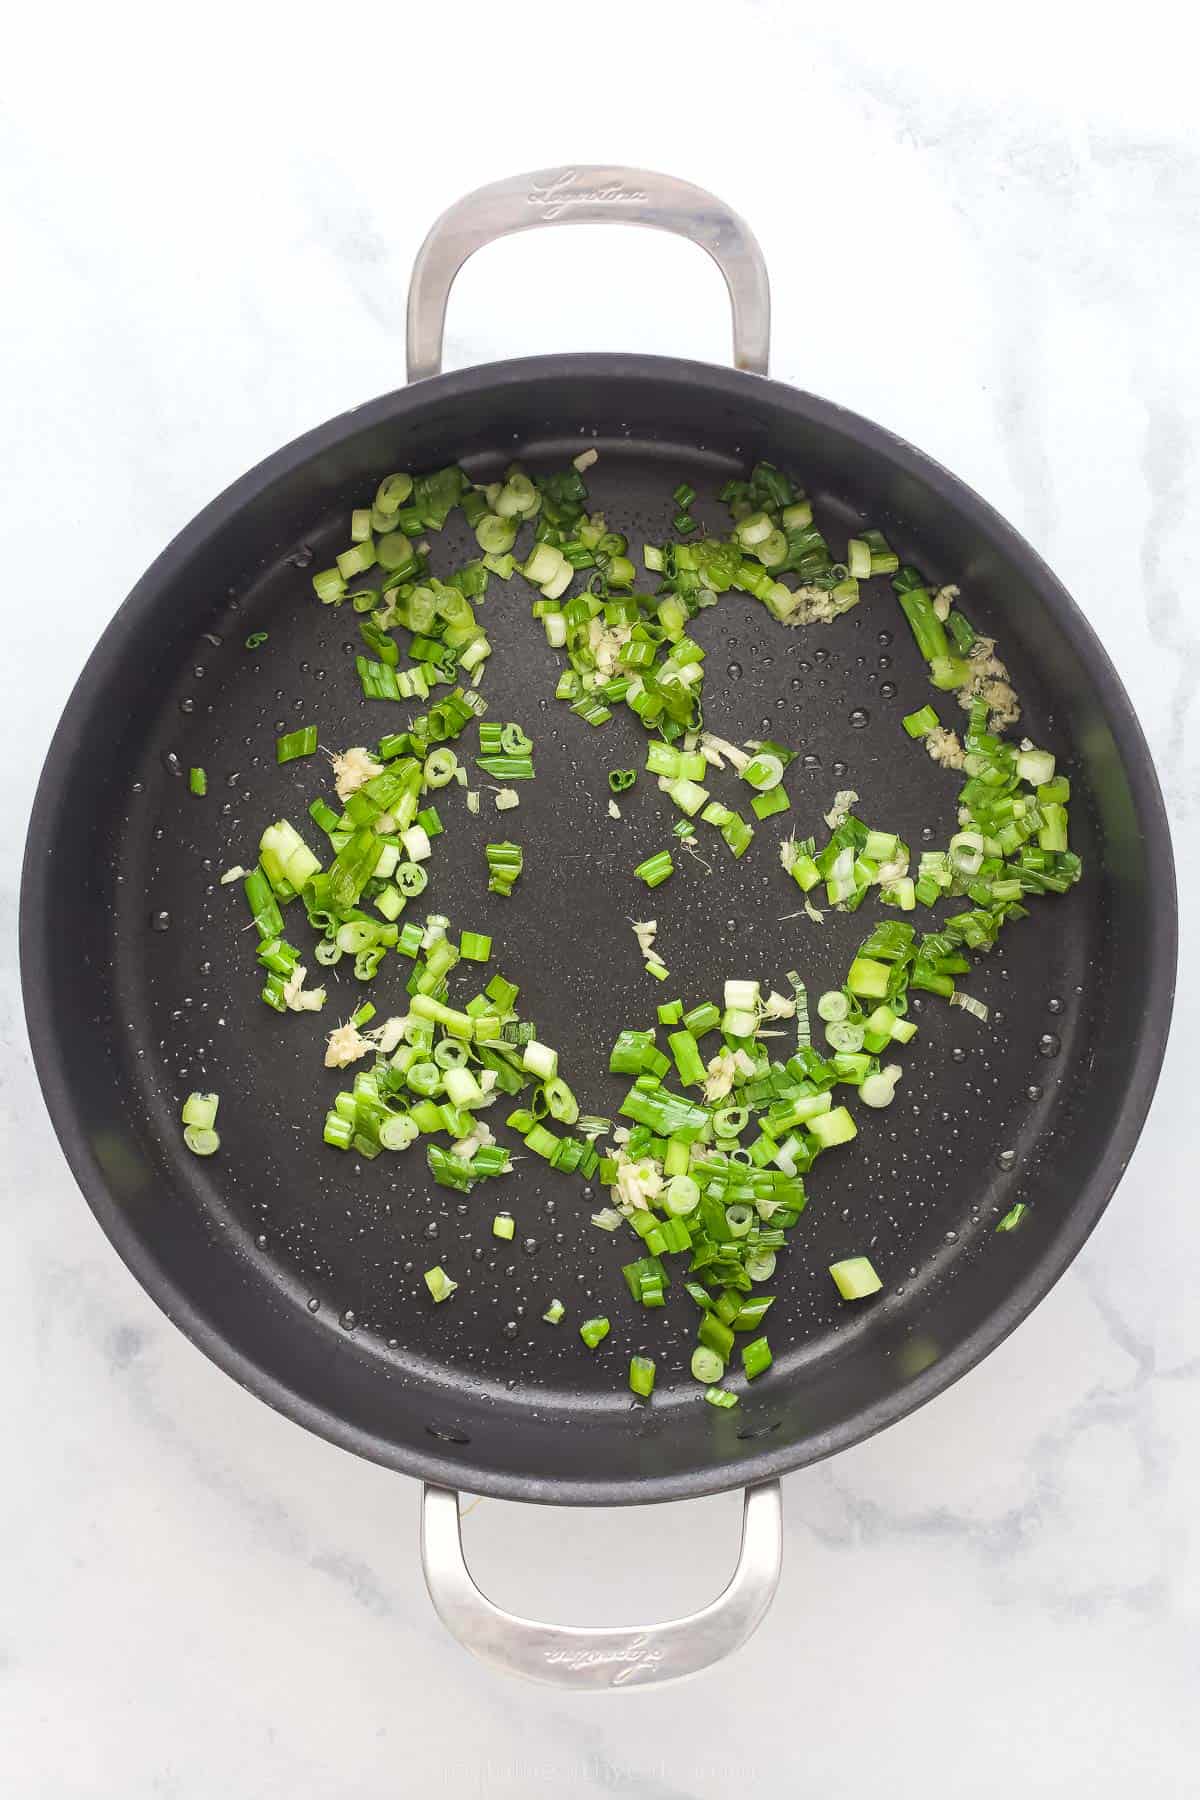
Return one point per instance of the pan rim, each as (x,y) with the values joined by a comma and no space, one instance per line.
(1125,1126)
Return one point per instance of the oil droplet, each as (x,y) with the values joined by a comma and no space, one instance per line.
(160,921)
(477,1253)
(530,1246)
(885,637)
(820,656)
(734,671)
(885,662)
(348,1320)
(511,1328)
(1054,1006)
(172,763)
(314,1305)
(261,1240)
(206,968)
(860,717)
(958,1054)
(887,690)
(1033,1091)
(795,682)
(303,557)
(810,760)
(199,671)
(926,833)
(839,768)
(137,788)
(431,1230)
(1006,1159)
(1049,1044)
(159,834)
(952,1237)
(187,706)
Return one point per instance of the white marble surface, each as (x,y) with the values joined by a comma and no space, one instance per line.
(207,221)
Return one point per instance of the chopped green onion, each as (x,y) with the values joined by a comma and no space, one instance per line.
(855,1278)
(255,640)
(503,1225)
(200,1110)
(641,1375)
(197,782)
(655,870)
(475,946)
(554,1313)
(593,1330)
(201,1142)
(707,1366)
(294,744)
(439,1283)
(920,723)
(764,805)
(505,862)
(720,1397)
(621,779)
(1013,1217)
(880,1089)
(756,1357)
(834,1127)
(763,772)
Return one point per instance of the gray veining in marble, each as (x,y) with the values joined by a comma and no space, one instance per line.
(206,238)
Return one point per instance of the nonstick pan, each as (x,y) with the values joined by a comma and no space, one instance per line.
(299,1271)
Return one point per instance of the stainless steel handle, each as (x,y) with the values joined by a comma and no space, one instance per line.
(590,194)
(602,1656)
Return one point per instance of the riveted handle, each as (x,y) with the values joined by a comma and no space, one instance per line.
(590,193)
(582,1657)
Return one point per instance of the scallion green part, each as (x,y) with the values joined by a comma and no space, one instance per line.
(439,1283)
(593,1330)
(1013,1217)
(855,1278)
(197,782)
(641,1375)
(295,744)
(655,870)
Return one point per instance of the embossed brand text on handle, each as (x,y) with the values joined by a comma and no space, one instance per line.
(560,193)
(638,1657)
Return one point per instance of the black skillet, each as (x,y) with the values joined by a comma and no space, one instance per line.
(300,1272)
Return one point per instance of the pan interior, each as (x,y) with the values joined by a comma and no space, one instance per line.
(308,1263)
